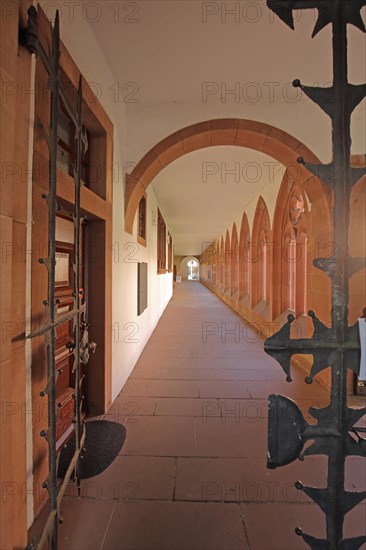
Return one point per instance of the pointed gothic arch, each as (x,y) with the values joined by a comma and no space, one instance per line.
(261,254)
(234,267)
(244,258)
(227,263)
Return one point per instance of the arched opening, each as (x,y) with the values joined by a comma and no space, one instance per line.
(294,251)
(190,268)
(301,231)
(222,263)
(238,132)
(255,277)
(263,291)
(261,256)
(234,262)
(244,251)
(216,263)
(227,264)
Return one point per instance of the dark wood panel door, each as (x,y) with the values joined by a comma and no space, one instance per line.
(64,360)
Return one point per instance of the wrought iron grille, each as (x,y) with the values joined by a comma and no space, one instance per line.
(29,37)
(336,347)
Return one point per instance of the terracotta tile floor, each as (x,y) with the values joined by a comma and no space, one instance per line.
(192,473)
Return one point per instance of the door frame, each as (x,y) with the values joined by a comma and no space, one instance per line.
(96,205)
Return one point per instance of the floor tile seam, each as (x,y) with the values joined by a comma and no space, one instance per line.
(190,456)
(155,407)
(195,436)
(185,415)
(194,457)
(175,477)
(244,527)
(193,397)
(172,500)
(288,502)
(190,501)
(108,526)
(237,398)
(180,397)
(196,380)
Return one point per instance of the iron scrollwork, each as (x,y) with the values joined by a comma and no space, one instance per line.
(336,347)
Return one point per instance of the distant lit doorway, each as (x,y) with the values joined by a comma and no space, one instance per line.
(190,268)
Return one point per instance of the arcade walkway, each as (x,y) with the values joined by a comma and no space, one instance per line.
(192,472)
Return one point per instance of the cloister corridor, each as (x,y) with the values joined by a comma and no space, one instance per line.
(192,472)
(181,182)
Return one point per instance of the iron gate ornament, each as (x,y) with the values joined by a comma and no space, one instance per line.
(29,38)
(336,347)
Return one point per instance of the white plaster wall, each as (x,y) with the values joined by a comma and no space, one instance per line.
(131,332)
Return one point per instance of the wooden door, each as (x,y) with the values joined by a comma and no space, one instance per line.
(64,360)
